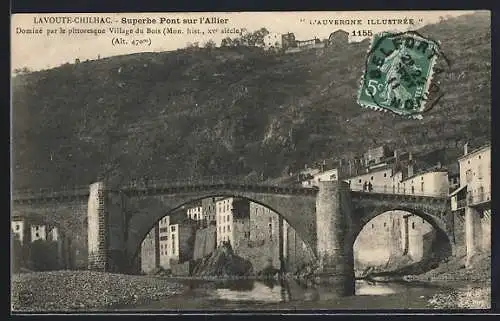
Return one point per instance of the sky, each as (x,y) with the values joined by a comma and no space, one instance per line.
(43,51)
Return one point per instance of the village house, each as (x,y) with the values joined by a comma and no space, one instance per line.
(475,178)
(324,176)
(430,182)
(273,40)
(228,213)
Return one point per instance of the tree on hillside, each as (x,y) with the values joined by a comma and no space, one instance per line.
(249,39)
(195,44)
(255,38)
(23,70)
(226,42)
(209,44)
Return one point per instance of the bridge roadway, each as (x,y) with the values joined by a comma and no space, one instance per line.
(163,186)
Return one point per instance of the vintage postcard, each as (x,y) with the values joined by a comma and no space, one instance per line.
(251,161)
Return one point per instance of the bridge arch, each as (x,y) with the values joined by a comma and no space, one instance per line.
(366,214)
(144,211)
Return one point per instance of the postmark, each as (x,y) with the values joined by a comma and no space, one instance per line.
(398,74)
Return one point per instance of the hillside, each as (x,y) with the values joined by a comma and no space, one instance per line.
(232,111)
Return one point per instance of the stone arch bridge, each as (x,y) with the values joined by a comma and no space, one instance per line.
(107,225)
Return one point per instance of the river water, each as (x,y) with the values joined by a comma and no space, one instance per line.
(241,295)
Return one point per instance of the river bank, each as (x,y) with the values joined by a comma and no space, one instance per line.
(61,291)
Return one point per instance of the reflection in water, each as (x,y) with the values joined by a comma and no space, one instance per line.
(290,290)
(290,294)
(373,288)
(259,292)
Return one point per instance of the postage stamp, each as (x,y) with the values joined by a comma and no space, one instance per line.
(398,73)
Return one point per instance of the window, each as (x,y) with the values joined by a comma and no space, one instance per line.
(37,235)
(371,178)
(385,174)
(173,244)
(468,176)
(373,226)
(360,181)
(479,156)
(422,186)
(422,178)
(223,229)
(17,227)
(480,171)
(229,228)
(385,224)
(36,228)
(172,228)
(413,225)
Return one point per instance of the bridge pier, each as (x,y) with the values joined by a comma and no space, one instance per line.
(472,233)
(106,230)
(334,238)
(96,218)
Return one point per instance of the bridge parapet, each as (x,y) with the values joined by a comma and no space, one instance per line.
(389,190)
(165,185)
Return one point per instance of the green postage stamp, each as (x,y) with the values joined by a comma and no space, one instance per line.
(398,73)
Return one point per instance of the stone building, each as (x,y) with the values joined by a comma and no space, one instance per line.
(273,40)
(28,229)
(328,175)
(209,209)
(228,210)
(149,251)
(164,237)
(433,181)
(471,202)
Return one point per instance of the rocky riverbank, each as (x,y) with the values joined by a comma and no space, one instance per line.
(472,285)
(85,290)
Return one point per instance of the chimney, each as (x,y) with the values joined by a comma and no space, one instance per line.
(466,146)
(410,170)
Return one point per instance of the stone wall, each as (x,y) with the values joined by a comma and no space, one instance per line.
(180,269)
(205,242)
(459,233)
(149,251)
(486,231)
(261,255)
(296,252)
(70,215)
